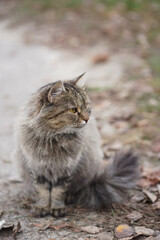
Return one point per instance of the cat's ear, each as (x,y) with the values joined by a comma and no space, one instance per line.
(80,80)
(57,89)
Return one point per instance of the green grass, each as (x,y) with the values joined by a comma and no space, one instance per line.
(43,5)
(97,89)
(144,103)
(146,137)
(130,5)
(154,62)
(156,84)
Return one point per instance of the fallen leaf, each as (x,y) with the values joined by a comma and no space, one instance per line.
(58,227)
(126,116)
(44,226)
(138,197)
(123,231)
(91,229)
(2,222)
(40,225)
(156,205)
(150,195)
(99,58)
(144,182)
(144,231)
(16,229)
(150,238)
(1,213)
(153,176)
(115,146)
(156,148)
(121,125)
(7,226)
(105,236)
(134,216)
(142,123)
(6,230)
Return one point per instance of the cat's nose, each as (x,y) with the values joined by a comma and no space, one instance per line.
(85,119)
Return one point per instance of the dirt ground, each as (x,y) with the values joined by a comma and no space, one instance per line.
(121,60)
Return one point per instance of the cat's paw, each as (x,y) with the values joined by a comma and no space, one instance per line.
(40,211)
(59,212)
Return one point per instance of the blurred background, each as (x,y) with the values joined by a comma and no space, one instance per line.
(117,44)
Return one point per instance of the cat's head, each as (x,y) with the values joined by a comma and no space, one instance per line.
(63,106)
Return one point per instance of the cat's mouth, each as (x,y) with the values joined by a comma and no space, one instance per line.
(82,124)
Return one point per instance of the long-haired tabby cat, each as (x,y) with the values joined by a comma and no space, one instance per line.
(59,151)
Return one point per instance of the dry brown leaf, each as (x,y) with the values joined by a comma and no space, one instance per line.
(6,230)
(123,231)
(1,213)
(144,231)
(58,227)
(126,116)
(7,226)
(138,197)
(134,216)
(153,176)
(99,58)
(156,205)
(150,238)
(142,123)
(121,125)
(156,148)
(2,222)
(40,225)
(44,226)
(150,195)
(115,146)
(105,236)
(16,229)
(128,238)
(144,182)
(91,229)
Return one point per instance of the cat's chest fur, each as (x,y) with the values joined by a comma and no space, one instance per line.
(55,154)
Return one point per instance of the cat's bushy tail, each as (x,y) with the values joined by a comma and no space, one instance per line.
(111,185)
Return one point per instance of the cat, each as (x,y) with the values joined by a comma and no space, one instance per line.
(60,156)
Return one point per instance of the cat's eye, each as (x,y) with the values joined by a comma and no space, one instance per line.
(73,110)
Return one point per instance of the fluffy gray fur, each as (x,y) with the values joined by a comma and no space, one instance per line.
(59,152)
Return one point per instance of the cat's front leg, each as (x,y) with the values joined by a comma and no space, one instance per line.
(43,196)
(58,196)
